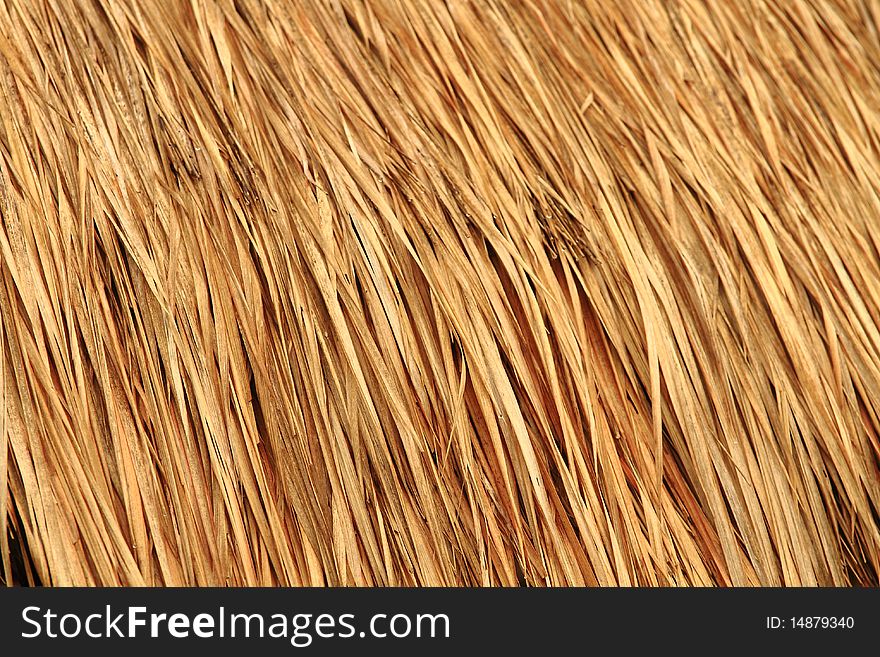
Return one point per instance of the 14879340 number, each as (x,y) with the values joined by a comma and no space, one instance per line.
(821,622)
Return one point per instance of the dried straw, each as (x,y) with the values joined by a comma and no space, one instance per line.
(391,292)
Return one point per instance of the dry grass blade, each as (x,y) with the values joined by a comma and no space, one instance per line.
(392,292)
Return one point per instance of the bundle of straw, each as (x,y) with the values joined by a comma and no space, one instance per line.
(395,292)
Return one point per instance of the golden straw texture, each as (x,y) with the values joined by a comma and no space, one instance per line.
(395,292)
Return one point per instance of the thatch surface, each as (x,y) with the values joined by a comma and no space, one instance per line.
(396,292)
